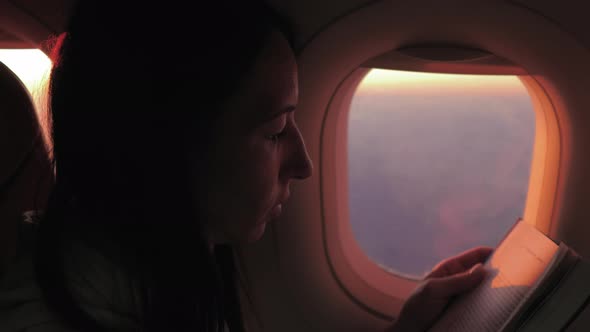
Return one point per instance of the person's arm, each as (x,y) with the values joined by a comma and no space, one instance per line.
(449,278)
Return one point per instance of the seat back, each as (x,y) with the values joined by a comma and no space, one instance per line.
(25,171)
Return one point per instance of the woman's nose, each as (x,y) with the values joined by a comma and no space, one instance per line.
(299,164)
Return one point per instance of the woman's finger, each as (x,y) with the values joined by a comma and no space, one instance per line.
(447,287)
(461,262)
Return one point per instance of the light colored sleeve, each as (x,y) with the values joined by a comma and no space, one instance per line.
(21,305)
(48,327)
(101,289)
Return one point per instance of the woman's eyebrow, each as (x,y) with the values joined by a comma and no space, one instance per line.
(276,114)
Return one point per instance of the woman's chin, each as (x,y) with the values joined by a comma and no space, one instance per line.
(256,233)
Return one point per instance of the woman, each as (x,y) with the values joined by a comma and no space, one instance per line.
(164,157)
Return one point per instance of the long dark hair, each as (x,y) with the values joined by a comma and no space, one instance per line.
(134,90)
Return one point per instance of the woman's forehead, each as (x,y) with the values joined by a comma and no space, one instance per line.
(275,70)
(272,83)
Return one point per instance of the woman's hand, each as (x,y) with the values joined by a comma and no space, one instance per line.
(449,278)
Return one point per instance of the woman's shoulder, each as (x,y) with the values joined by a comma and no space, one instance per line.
(101,289)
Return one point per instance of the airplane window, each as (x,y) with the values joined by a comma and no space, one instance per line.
(31,66)
(438,164)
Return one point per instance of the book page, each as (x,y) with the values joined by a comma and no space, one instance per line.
(513,269)
(562,262)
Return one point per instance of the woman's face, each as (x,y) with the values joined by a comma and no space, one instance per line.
(258,150)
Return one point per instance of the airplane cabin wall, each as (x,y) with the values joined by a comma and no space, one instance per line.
(572,224)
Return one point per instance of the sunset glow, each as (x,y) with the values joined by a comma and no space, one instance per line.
(382,82)
(437,164)
(30,65)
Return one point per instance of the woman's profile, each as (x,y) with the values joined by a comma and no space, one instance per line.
(173,139)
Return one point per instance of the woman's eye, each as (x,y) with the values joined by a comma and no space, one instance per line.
(275,137)
(277,128)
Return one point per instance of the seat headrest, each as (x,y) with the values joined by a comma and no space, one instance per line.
(19,127)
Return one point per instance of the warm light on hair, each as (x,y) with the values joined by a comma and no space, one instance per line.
(32,67)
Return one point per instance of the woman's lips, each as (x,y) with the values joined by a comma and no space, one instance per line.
(276,211)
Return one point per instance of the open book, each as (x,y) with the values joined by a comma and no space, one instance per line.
(533,284)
